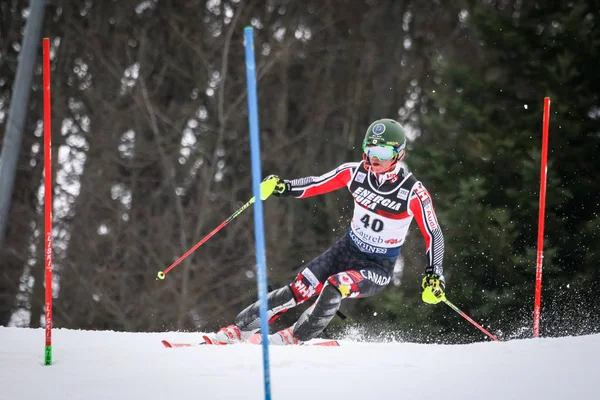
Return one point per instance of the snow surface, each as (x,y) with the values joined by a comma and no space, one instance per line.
(112,365)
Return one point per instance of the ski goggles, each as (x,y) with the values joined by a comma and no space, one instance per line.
(381,152)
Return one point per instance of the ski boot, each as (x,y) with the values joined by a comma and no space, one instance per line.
(228,335)
(284,337)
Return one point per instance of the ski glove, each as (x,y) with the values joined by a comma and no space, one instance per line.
(433,288)
(283,187)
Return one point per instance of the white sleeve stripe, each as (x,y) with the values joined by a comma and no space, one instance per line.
(311,181)
(300,184)
(438,253)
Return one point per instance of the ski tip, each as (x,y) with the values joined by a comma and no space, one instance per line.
(328,343)
(207,340)
(170,345)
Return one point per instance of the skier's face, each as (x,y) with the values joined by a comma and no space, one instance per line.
(381,158)
(380,166)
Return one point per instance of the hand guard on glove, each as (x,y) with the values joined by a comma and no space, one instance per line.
(433,286)
(283,187)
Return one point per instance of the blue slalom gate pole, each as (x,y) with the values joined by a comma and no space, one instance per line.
(259,232)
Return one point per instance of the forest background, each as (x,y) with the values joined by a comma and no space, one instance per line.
(151,152)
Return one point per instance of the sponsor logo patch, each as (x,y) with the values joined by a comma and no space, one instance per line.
(305,286)
(403,194)
(360,177)
(371,200)
(375,278)
(302,292)
(366,236)
(422,193)
(393,241)
(430,217)
(364,247)
(307,273)
(378,129)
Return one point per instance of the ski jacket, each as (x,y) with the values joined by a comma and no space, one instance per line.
(384,207)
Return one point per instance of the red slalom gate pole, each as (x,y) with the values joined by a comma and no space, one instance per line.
(48,202)
(542,208)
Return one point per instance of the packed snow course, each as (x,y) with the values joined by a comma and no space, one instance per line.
(102,365)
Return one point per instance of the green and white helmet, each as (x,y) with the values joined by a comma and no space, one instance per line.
(386,132)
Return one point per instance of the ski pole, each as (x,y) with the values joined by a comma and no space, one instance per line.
(266,189)
(465,316)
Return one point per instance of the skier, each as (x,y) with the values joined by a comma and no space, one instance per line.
(360,264)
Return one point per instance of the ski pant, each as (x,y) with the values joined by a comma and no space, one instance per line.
(341,272)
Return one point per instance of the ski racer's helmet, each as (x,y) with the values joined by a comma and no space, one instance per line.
(382,134)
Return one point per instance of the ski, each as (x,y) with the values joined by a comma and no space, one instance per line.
(169,345)
(257,338)
(327,343)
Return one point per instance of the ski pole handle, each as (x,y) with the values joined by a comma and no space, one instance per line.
(465,316)
(266,189)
